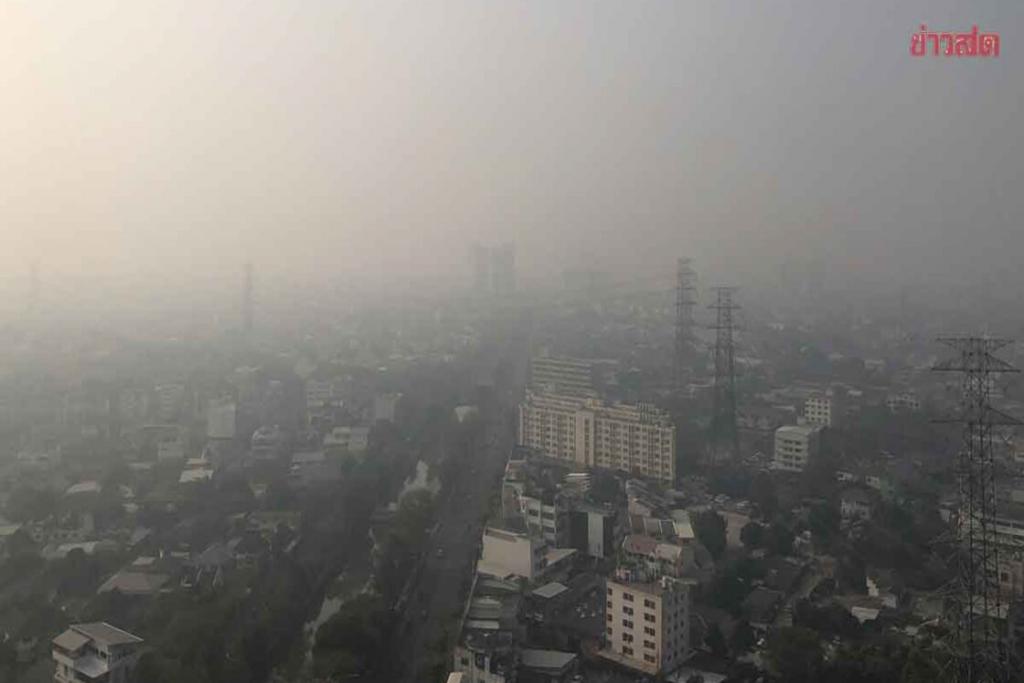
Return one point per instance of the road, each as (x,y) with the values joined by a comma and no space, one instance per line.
(439,594)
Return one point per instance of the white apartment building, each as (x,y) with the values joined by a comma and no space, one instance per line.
(795,445)
(647,624)
(820,409)
(93,652)
(586,431)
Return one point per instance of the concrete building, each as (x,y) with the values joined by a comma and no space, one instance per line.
(648,623)
(592,530)
(567,376)
(170,401)
(488,647)
(384,407)
(95,652)
(822,409)
(541,507)
(350,439)
(220,419)
(905,401)
(590,433)
(795,445)
(509,554)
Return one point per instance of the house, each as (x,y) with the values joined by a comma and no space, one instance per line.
(761,606)
(351,439)
(95,652)
(135,583)
(855,503)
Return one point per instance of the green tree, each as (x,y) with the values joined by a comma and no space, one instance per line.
(795,654)
(710,529)
(715,641)
(752,535)
(779,539)
(764,496)
(743,637)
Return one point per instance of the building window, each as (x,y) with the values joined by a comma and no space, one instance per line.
(649,631)
(627,610)
(609,617)
(649,658)
(649,617)
(627,638)
(627,623)
(609,604)
(610,591)
(649,644)
(628,651)
(649,603)
(628,597)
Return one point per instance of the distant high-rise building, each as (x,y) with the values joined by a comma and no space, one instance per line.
(220,419)
(481,269)
(503,269)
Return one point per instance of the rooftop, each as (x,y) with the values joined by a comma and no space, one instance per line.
(99,631)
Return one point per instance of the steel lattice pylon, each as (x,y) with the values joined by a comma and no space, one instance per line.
(978,608)
(724,434)
(685,301)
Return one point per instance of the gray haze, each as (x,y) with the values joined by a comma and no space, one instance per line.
(359,138)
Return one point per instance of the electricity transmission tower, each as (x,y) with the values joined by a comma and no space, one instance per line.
(724,434)
(685,301)
(979,613)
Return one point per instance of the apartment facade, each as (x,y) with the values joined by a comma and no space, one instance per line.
(570,376)
(590,433)
(647,624)
(94,652)
(820,409)
(795,445)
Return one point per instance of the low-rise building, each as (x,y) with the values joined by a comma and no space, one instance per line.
(520,555)
(855,503)
(95,652)
(795,445)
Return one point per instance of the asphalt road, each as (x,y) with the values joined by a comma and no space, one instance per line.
(439,594)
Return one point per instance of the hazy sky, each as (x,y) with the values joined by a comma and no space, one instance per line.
(315,136)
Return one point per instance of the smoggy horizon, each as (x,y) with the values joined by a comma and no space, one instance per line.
(376,142)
